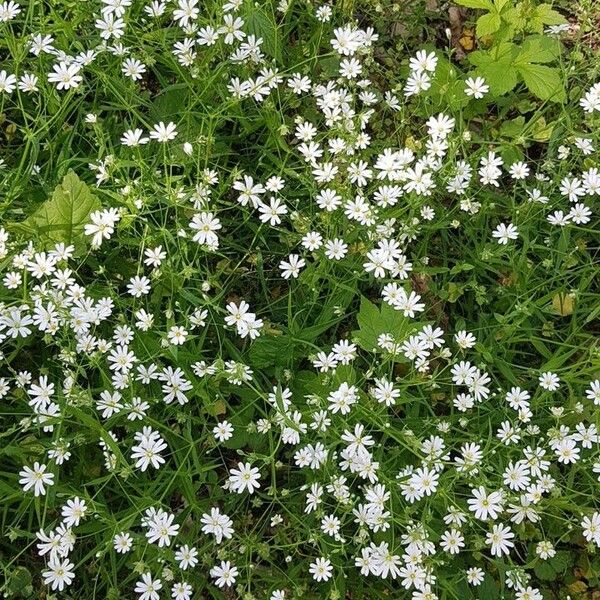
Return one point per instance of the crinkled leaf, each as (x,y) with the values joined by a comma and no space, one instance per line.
(543,82)
(374,321)
(483,4)
(538,49)
(63,216)
(262,24)
(488,24)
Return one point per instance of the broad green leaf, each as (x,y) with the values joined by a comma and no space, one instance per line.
(543,82)
(548,16)
(63,216)
(483,4)
(488,24)
(538,49)
(496,67)
(513,128)
(500,4)
(374,321)
(544,571)
(261,23)
(272,351)
(500,76)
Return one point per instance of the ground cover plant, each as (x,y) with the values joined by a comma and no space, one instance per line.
(299,300)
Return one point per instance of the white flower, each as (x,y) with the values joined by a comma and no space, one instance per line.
(65,76)
(186,557)
(102,225)
(503,233)
(291,267)
(163,133)
(245,477)
(134,137)
(206,224)
(217,524)
(476,88)
(484,505)
(73,511)
(423,61)
(591,528)
(133,68)
(223,431)
(148,588)
(225,574)
(8,82)
(122,542)
(8,11)
(36,478)
(549,381)
(500,540)
(59,574)
(475,576)
(321,569)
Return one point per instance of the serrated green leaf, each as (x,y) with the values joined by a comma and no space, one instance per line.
(63,216)
(483,4)
(374,321)
(544,571)
(488,24)
(262,24)
(548,16)
(501,77)
(543,82)
(538,49)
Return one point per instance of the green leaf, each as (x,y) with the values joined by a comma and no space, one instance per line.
(513,128)
(62,217)
(500,4)
(541,131)
(538,49)
(262,24)
(488,24)
(501,77)
(544,571)
(272,350)
(374,321)
(496,67)
(483,4)
(548,16)
(543,82)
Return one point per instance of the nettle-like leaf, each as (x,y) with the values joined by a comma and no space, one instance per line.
(538,49)
(542,15)
(374,321)
(261,23)
(488,24)
(63,216)
(505,64)
(543,82)
(496,67)
(483,4)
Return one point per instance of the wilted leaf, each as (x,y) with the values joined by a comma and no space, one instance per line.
(562,304)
